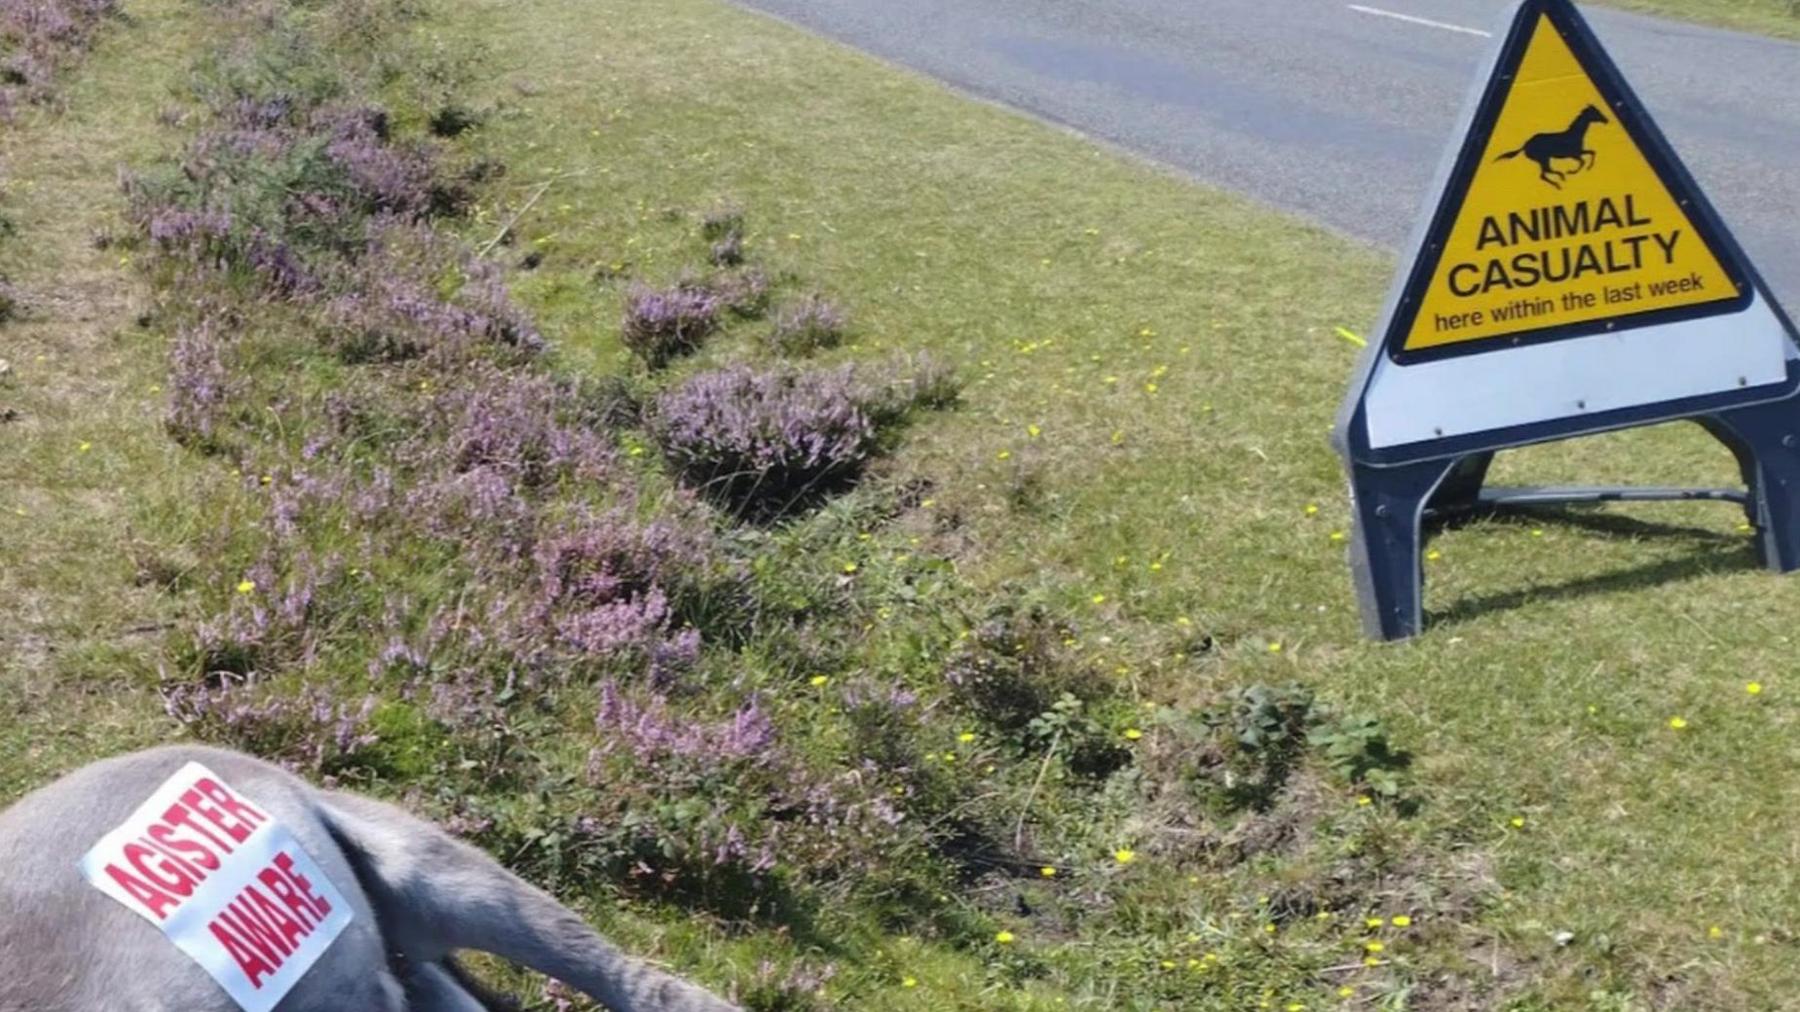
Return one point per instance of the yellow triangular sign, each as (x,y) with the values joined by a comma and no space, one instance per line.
(1565,217)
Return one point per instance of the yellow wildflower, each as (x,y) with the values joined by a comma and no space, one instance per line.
(1133,733)
(909,982)
(1401,921)
(1004,937)
(1047,872)
(1754,688)
(818,681)
(1124,855)
(1678,723)
(246,587)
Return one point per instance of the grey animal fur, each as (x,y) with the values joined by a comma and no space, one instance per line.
(418,896)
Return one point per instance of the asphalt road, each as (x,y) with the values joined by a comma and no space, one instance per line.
(1335,112)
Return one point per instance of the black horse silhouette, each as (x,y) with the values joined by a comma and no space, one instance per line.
(1569,145)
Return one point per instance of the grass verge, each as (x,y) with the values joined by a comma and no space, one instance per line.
(1778,18)
(1137,473)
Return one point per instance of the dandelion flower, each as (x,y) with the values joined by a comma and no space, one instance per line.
(1033,431)
(1338,535)
(246,587)
(1124,855)
(1312,509)
(818,681)
(1346,991)
(1401,921)
(1003,455)
(1098,599)
(1004,937)
(1373,922)
(1047,872)
(1517,822)
(1133,733)
(1433,555)
(1375,945)
(84,447)
(1274,648)
(850,567)
(1715,932)
(1364,799)
(1678,723)
(1754,688)
(909,982)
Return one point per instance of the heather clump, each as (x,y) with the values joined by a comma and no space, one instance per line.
(765,443)
(724,228)
(413,293)
(661,324)
(38,38)
(201,385)
(812,324)
(744,292)
(722,806)
(610,588)
(315,731)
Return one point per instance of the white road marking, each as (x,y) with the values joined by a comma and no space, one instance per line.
(1446,26)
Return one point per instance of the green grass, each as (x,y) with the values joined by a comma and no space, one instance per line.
(1065,280)
(95,501)
(1780,18)
(1152,369)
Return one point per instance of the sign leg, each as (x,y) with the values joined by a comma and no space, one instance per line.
(1387,546)
(1765,438)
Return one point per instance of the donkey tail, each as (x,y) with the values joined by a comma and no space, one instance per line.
(1510,154)
(435,895)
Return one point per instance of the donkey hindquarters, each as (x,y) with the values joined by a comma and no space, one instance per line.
(417,896)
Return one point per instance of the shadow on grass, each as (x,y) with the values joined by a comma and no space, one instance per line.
(1711,552)
(1597,520)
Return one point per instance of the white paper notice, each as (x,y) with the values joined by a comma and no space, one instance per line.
(229,885)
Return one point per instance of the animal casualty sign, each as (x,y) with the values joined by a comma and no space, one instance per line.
(228,885)
(1565,219)
(1569,275)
